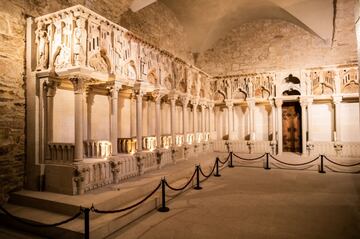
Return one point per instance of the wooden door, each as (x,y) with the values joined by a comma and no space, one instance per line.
(291,120)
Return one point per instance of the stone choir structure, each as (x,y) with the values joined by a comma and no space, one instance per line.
(104,105)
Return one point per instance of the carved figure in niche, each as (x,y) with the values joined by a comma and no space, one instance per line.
(322,83)
(189,81)
(349,82)
(43,47)
(197,85)
(100,62)
(152,78)
(131,71)
(62,57)
(167,83)
(80,42)
(67,31)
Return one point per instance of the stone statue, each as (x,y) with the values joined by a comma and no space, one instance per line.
(80,42)
(43,47)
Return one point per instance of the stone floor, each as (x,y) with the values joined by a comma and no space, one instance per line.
(250,202)
(255,203)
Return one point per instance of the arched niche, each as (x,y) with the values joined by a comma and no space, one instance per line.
(292,79)
(291,92)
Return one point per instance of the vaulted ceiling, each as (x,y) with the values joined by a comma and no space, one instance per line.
(205,21)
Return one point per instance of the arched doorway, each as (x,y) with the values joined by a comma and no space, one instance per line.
(291,127)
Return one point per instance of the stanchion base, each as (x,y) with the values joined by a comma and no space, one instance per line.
(322,172)
(231,166)
(198,188)
(267,168)
(163,209)
(217,175)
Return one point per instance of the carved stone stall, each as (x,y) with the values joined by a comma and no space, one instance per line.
(92,78)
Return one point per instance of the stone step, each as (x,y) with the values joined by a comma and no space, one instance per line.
(47,207)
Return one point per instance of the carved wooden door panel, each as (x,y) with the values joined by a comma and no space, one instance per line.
(291,128)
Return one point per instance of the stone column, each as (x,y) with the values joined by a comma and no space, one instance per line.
(230,106)
(303,104)
(89,103)
(185,101)
(50,87)
(132,113)
(79,141)
(195,105)
(203,108)
(211,121)
(157,98)
(278,103)
(173,118)
(337,108)
(139,130)
(114,92)
(251,105)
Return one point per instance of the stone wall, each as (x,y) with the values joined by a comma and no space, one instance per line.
(266,45)
(161,29)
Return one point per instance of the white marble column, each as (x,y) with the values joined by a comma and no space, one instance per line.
(195,105)
(337,118)
(50,87)
(173,118)
(203,108)
(79,144)
(114,93)
(185,101)
(278,103)
(251,105)
(89,103)
(303,104)
(139,126)
(132,115)
(158,120)
(230,106)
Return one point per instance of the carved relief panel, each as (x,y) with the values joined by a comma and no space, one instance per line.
(349,81)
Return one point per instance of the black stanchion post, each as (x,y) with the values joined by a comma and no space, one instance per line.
(217,167)
(267,165)
(321,169)
(231,160)
(163,207)
(197,187)
(86,223)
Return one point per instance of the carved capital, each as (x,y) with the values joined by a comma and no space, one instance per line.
(78,84)
(185,100)
(229,103)
(278,102)
(337,99)
(50,87)
(251,102)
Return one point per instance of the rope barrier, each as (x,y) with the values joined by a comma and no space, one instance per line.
(294,164)
(41,224)
(248,159)
(206,176)
(126,208)
(343,165)
(227,159)
(337,171)
(182,188)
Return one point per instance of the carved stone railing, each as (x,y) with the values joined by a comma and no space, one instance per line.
(127,145)
(344,149)
(61,152)
(166,141)
(149,143)
(242,146)
(179,139)
(190,138)
(97,148)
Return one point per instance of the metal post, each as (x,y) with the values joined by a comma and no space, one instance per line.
(163,207)
(267,165)
(231,160)
(217,167)
(321,169)
(197,187)
(86,223)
